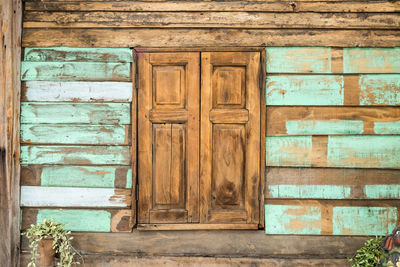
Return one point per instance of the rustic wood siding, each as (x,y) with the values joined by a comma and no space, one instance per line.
(76,137)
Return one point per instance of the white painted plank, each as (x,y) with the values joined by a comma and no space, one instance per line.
(77,91)
(37,196)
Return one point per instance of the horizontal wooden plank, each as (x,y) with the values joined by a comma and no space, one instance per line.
(93,113)
(305,90)
(333,183)
(82,54)
(301,120)
(208,37)
(367,151)
(248,20)
(371,60)
(75,71)
(75,155)
(37,91)
(380,89)
(82,220)
(300,6)
(77,176)
(194,226)
(75,134)
(43,196)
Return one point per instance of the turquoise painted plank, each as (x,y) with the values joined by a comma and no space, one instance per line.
(392,127)
(371,60)
(83,176)
(298,59)
(82,54)
(74,71)
(75,155)
(364,220)
(310,191)
(73,134)
(305,90)
(288,151)
(324,127)
(93,113)
(285,219)
(380,89)
(391,191)
(78,220)
(368,151)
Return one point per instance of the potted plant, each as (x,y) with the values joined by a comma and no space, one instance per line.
(51,238)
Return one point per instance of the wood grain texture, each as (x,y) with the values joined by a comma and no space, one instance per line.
(284,120)
(371,60)
(74,71)
(77,176)
(42,196)
(209,37)
(38,91)
(379,89)
(82,113)
(75,155)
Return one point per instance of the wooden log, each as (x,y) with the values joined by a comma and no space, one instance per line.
(77,176)
(81,220)
(247,20)
(75,155)
(38,91)
(82,113)
(209,37)
(300,120)
(43,196)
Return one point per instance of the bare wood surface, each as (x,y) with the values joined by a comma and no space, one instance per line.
(202,226)
(209,37)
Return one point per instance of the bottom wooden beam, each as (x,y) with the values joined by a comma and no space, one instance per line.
(192,226)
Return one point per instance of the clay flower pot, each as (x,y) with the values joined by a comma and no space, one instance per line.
(46,252)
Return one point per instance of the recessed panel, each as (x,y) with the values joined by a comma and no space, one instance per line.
(229,87)
(168,86)
(228,165)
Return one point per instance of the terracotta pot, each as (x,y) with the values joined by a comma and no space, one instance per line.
(46,252)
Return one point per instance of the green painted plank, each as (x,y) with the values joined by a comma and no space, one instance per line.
(93,113)
(364,220)
(78,220)
(73,134)
(368,151)
(379,89)
(288,151)
(82,176)
(391,191)
(298,59)
(82,54)
(305,90)
(285,219)
(75,155)
(74,71)
(371,60)
(324,127)
(310,191)
(392,127)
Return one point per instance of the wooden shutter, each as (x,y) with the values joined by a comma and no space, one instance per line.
(230,138)
(168,137)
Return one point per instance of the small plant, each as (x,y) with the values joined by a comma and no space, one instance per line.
(368,255)
(61,241)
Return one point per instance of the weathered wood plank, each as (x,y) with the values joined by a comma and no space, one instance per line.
(93,113)
(289,151)
(380,89)
(305,90)
(75,155)
(82,220)
(332,120)
(77,176)
(371,60)
(43,196)
(74,71)
(37,91)
(208,37)
(248,20)
(75,134)
(362,183)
